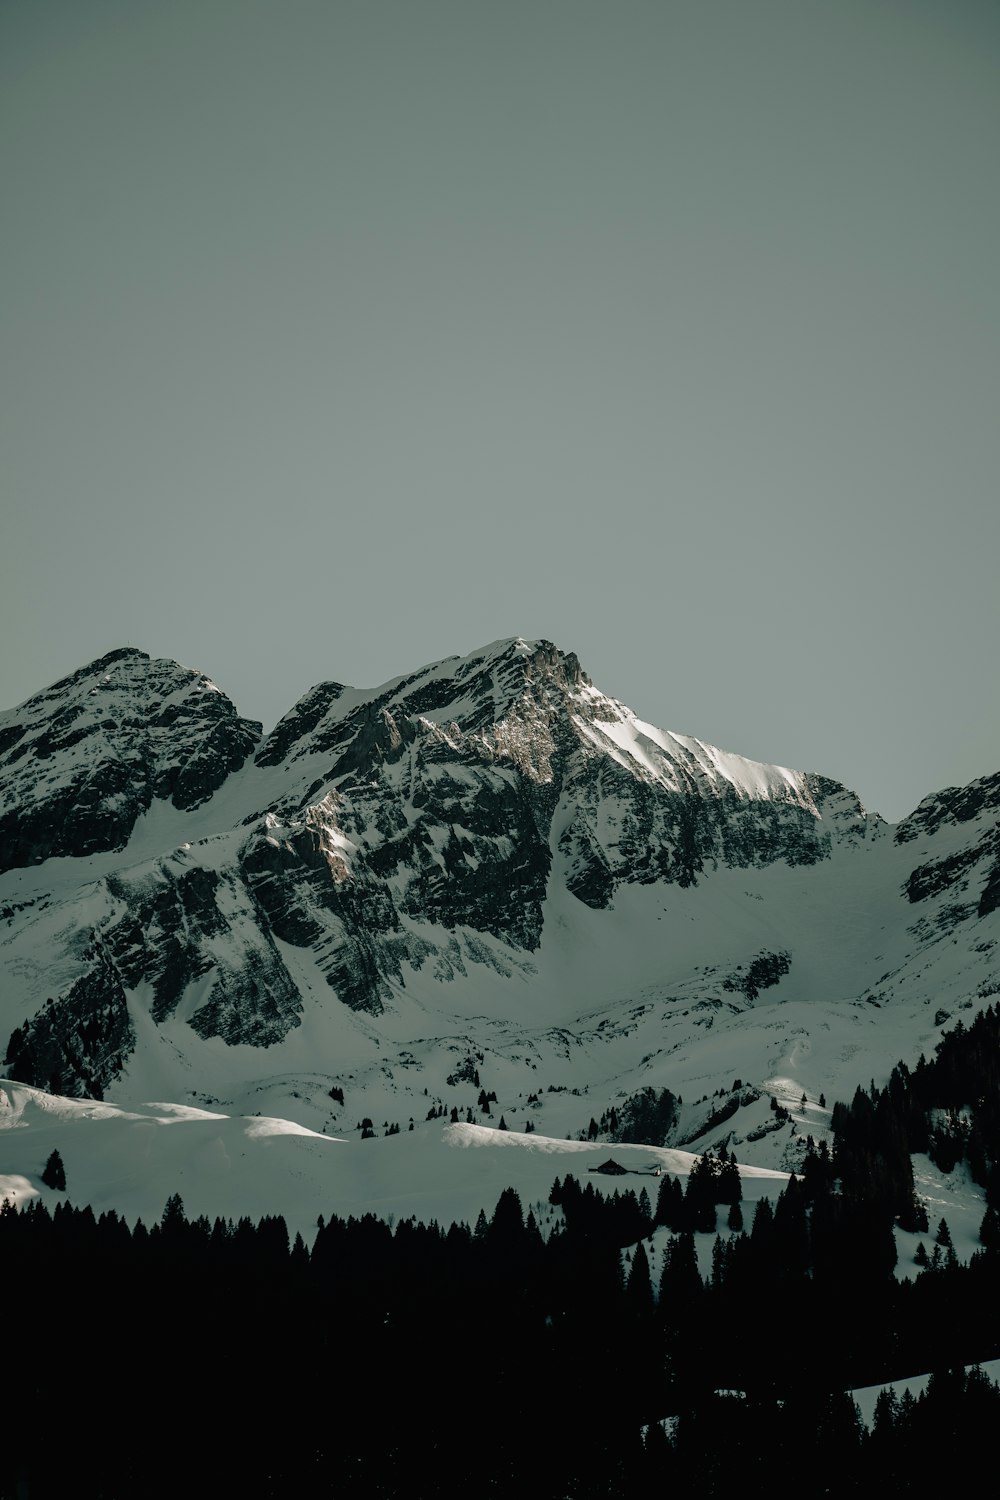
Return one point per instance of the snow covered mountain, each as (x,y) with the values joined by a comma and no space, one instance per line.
(87,757)
(482,876)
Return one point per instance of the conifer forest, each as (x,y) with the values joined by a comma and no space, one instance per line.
(533,1350)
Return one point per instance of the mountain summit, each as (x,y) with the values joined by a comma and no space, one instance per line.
(81,761)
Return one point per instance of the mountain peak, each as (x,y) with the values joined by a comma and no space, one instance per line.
(473,691)
(101,665)
(84,758)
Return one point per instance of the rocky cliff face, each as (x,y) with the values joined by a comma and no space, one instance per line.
(459,785)
(966,821)
(80,762)
(420,828)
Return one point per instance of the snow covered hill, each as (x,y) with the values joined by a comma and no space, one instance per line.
(484,877)
(132,1160)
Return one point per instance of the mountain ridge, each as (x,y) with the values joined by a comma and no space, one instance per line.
(487,846)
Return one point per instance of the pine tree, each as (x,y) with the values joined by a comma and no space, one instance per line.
(680,1280)
(790,1246)
(701,1196)
(989,1230)
(54,1175)
(670,1204)
(762,1228)
(720,1262)
(639,1288)
(947,1248)
(886,1416)
(729,1188)
(172,1220)
(507,1225)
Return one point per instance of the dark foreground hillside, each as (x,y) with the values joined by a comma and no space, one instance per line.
(218,1359)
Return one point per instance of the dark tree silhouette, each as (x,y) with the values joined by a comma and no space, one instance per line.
(54,1175)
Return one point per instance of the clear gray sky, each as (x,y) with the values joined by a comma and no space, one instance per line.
(340,335)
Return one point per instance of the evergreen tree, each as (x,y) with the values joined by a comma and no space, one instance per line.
(729,1188)
(173,1212)
(680,1281)
(720,1263)
(790,1231)
(886,1416)
(989,1230)
(639,1287)
(762,1229)
(701,1196)
(507,1224)
(670,1204)
(54,1175)
(944,1240)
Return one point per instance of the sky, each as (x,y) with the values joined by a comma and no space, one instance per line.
(340,337)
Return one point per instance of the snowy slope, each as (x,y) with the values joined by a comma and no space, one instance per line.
(133,1160)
